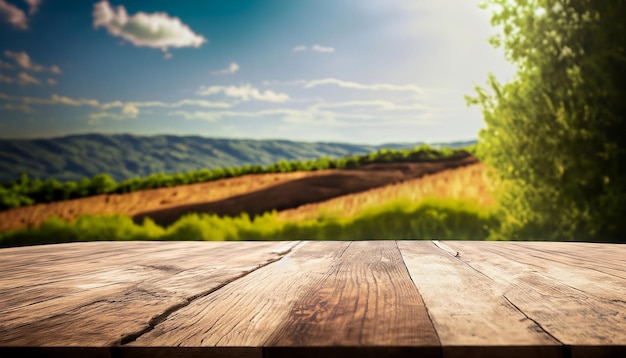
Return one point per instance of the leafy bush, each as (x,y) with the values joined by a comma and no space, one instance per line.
(430,219)
(554,134)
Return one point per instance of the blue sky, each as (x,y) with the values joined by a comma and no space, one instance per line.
(367,71)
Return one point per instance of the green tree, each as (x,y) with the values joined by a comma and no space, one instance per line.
(553,135)
(13,199)
(102,183)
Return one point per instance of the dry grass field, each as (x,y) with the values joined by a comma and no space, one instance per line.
(469,182)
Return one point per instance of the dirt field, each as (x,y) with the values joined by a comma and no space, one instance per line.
(253,194)
(468,182)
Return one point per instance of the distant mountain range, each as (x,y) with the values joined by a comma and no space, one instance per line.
(124,156)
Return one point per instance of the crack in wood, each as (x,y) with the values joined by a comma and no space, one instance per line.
(165,268)
(154,321)
(504,296)
(446,248)
(535,322)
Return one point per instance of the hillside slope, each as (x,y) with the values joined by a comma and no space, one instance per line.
(254,194)
(129,156)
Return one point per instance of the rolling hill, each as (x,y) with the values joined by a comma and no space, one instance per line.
(256,194)
(124,156)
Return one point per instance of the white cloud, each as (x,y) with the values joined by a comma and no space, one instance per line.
(200,103)
(185,102)
(112,104)
(378,104)
(374,103)
(13,15)
(360,86)
(292,116)
(130,110)
(22,59)
(356,113)
(287,83)
(24,79)
(319,48)
(245,92)
(127,108)
(54,99)
(309,115)
(198,115)
(156,30)
(22,108)
(232,68)
(314,48)
(95,118)
(217,115)
(52,81)
(33,6)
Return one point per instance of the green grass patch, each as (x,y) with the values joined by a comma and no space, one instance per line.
(431,219)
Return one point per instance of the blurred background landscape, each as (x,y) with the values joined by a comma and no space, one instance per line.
(262,120)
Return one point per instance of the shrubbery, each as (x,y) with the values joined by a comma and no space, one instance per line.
(431,219)
(554,134)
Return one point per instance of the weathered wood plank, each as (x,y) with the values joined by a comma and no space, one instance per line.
(468,309)
(351,351)
(551,298)
(245,312)
(606,258)
(97,294)
(321,294)
(267,299)
(131,352)
(602,286)
(367,298)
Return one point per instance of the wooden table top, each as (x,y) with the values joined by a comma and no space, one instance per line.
(322,298)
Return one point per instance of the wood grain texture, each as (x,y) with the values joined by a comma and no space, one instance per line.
(247,311)
(331,299)
(598,284)
(98,293)
(366,298)
(321,294)
(606,258)
(466,307)
(563,300)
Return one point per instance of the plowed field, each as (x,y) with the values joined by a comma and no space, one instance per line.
(295,195)
(469,182)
